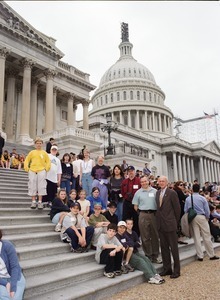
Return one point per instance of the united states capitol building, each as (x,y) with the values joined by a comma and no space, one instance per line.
(39,95)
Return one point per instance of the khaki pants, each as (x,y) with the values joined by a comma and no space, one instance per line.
(37,183)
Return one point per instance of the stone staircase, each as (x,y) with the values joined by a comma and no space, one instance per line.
(51,270)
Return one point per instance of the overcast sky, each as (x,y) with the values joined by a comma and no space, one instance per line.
(177,41)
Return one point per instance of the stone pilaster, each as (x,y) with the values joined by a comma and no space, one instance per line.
(137,120)
(201,171)
(74,114)
(26,95)
(9,121)
(184,167)
(129,118)
(85,115)
(180,167)
(49,114)
(3,54)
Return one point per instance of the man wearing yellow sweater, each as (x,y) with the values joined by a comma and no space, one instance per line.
(37,164)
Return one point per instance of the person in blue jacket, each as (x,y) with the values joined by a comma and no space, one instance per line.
(12,281)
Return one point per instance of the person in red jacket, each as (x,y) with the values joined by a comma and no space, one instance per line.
(129,187)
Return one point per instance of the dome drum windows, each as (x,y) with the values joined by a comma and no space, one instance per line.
(138,95)
(131,95)
(118,96)
(124,95)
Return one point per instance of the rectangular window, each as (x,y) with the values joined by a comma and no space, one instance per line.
(64,115)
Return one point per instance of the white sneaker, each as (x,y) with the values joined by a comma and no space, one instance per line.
(40,205)
(58,227)
(157,276)
(154,280)
(109,275)
(33,204)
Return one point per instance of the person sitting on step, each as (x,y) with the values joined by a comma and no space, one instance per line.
(99,222)
(74,225)
(140,261)
(109,252)
(59,209)
(127,245)
(12,281)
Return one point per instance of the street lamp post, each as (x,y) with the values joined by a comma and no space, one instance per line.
(109,127)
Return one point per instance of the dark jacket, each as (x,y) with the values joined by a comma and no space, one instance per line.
(168,215)
(57,207)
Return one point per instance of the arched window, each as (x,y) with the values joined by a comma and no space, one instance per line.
(145,98)
(138,95)
(106,99)
(150,97)
(101,101)
(124,95)
(131,95)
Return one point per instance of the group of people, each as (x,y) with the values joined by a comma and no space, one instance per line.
(117,212)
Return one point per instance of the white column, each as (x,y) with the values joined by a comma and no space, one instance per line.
(184,167)
(49,101)
(201,171)
(216,173)
(55,91)
(175,173)
(137,120)
(188,170)
(205,169)
(120,117)
(3,54)
(209,170)
(164,164)
(9,120)
(26,95)
(192,169)
(145,120)
(129,118)
(74,114)
(160,127)
(85,115)
(212,171)
(70,110)
(164,123)
(153,121)
(33,112)
(180,167)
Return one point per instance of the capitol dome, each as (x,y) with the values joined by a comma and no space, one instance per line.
(127,68)
(128,91)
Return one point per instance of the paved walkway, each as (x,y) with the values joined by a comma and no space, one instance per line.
(198,281)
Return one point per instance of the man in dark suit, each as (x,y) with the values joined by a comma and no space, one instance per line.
(167,216)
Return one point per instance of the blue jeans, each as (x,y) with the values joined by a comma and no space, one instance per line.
(56,218)
(119,210)
(66,185)
(4,295)
(74,238)
(87,183)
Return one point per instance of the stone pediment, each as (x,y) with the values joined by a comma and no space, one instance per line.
(212,147)
(13,23)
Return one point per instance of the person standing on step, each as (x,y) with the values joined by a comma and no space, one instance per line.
(53,175)
(85,172)
(167,216)
(37,164)
(144,202)
(200,225)
(129,187)
(49,145)
(12,281)
(101,175)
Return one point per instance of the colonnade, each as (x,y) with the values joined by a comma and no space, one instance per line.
(28,118)
(184,168)
(144,119)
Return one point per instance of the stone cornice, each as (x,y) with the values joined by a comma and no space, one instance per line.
(76,80)
(14,25)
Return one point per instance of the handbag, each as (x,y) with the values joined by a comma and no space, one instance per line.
(185,228)
(191,212)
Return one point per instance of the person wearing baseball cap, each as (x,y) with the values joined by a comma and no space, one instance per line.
(129,187)
(110,213)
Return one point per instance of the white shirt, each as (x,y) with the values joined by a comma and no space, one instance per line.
(87,166)
(76,166)
(55,168)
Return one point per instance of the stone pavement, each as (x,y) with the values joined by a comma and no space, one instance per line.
(198,281)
